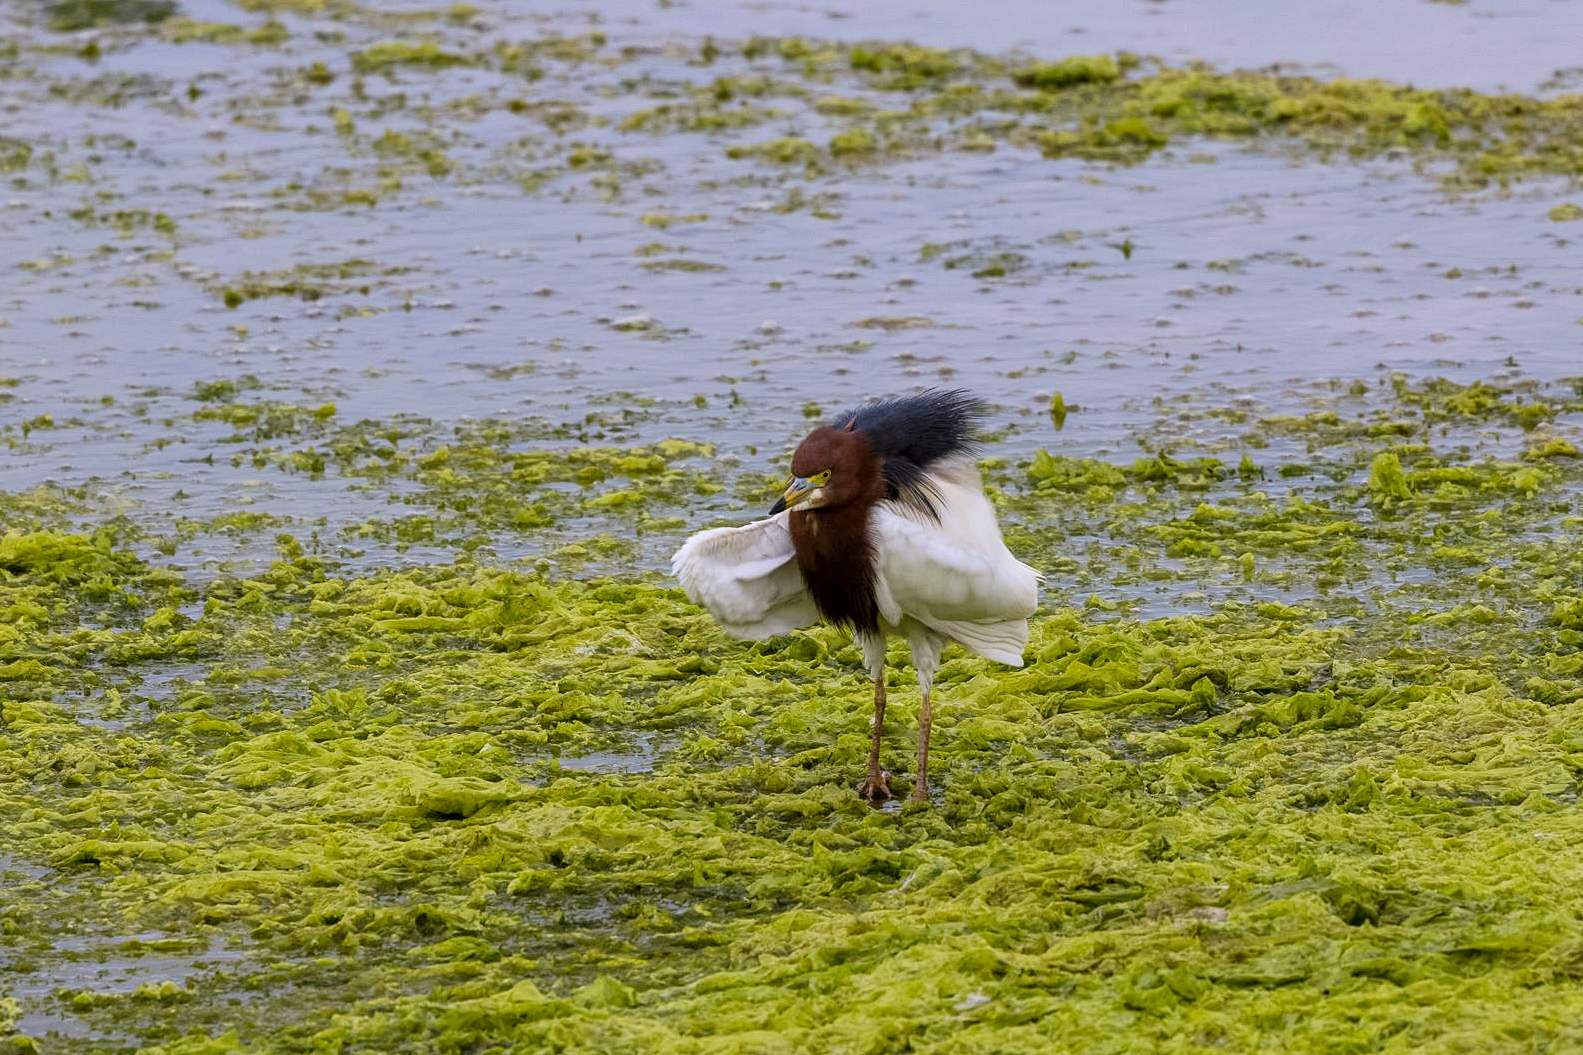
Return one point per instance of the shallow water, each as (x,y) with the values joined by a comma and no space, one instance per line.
(1517,45)
(1245,271)
(112,966)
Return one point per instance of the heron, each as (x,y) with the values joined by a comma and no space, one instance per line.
(884,529)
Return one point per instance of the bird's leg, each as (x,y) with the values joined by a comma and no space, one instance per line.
(876,786)
(920,790)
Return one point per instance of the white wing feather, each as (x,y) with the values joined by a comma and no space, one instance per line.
(955,576)
(747,577)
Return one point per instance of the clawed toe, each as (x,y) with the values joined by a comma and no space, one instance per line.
(875,787)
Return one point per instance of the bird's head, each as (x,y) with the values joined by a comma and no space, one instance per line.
(831,467)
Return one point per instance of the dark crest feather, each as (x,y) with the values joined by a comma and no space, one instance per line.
(912,433)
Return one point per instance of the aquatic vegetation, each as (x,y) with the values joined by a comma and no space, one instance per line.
(857,142)
(14,154)
(697,118)
(393,54)
(1079,69)
(445,763)
(664,220)
(423,149)
(308,282)
(894,322)
(787,150)
(186,30)
(903,67)
(1123,109)
(1058,411)
(988,265)
(1553,447)
(69,16)
(465,802)
(126,221)
(266,420)
(681,264)
(1387,482)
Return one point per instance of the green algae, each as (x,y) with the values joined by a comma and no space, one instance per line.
(1079,69)
(266,420)
(186,30)
(682,265)
(881,102)
(1387,482)
(856,142)
(665,221)
(1189,900)
(14,154)
(1058,411)
(1552,447)
(1321,798)
(788,150)
(126,221)
(705,117)
(1340,820)
(312,282)
(394,54)
(1123,109)
(69,16)
(473,484)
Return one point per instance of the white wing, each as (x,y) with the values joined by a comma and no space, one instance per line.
(955,576)
(747,577)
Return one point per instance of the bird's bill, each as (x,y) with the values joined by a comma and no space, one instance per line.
(797,492)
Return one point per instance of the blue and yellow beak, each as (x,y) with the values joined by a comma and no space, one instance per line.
(799,491)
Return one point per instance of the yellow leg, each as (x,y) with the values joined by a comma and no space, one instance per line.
(920,790)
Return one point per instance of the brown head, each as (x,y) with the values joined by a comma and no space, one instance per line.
(833,467)
(836,478)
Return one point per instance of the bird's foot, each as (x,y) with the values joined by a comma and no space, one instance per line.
(875,787)
(920,793)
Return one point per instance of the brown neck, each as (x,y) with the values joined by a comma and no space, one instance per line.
(835,552)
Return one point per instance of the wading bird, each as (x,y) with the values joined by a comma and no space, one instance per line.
(883,529)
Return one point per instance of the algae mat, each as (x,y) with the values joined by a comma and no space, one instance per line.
(360,364)
(490,804)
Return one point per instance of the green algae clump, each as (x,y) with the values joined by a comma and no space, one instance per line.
(392,54)
(69,16)
(857,142)
(1079,69)
(903,67)
(788,150)
(1387,482)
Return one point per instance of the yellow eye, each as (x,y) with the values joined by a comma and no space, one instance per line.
(820,479)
